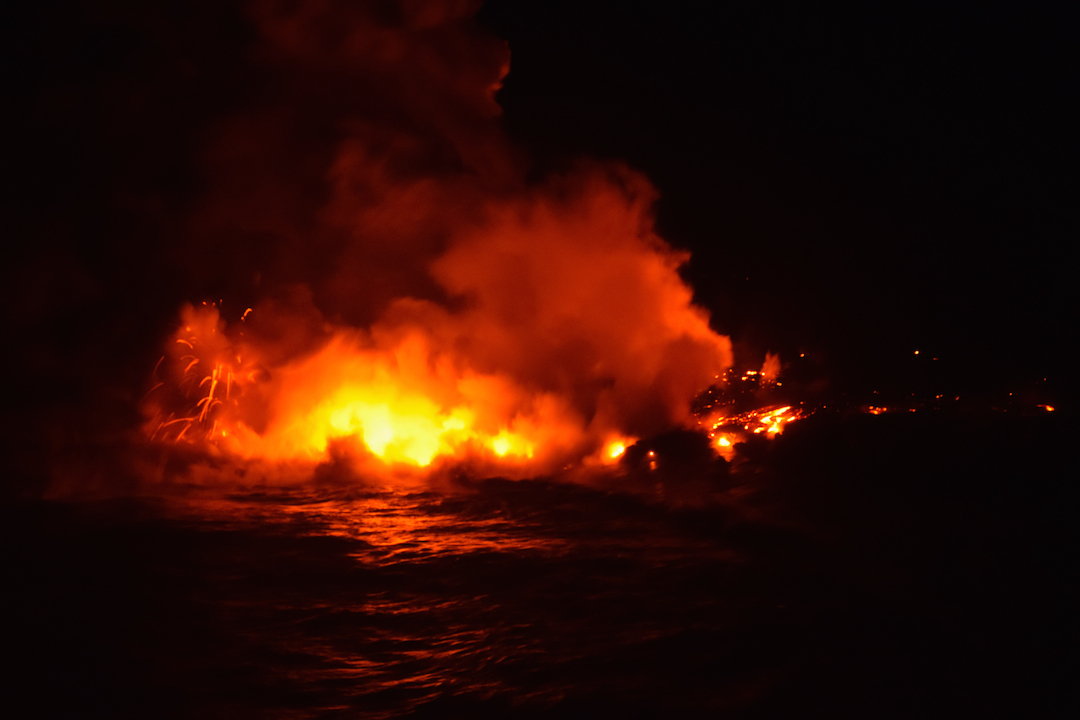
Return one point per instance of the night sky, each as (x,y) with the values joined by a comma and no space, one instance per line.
(854,184)
(865,181)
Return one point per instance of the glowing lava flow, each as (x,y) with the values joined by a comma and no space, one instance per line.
(565,332)
(407,405)
(727,431)
(738,408)
(401,408)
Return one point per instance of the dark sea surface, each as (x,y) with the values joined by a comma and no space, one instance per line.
(875,567)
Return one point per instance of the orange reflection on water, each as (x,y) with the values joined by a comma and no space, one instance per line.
(396,636)
(394,524)
(449,590)
(402,526)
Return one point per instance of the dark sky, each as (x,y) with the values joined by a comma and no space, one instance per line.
(852,182)
(887,176)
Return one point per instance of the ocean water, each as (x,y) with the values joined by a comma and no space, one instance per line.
(813,597)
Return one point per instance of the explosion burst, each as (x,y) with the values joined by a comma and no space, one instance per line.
(417,302)
(569,334)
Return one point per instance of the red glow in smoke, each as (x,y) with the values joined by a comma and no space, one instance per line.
(420,300)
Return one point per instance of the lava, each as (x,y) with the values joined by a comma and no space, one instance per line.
(726,431)
(577,380)
(417,299)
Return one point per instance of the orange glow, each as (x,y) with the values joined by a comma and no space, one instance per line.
(770,370)
(726,431)
(403,407)
(725,445)
(577,338)
(1047,408)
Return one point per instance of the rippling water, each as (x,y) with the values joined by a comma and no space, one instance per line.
(899,589)
(518,598)
(523,595)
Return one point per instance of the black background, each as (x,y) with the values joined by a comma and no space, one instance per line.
(868,180)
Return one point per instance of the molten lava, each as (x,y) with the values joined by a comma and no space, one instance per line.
(728,430)
(410,404)
(572,337)
(427,301)
(407,405)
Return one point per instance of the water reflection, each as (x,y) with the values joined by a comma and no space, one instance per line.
(391,525)
(388,600)
(855,587)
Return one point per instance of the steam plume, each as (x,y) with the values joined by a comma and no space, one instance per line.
(415,290)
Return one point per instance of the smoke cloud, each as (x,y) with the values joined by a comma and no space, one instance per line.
(412,286)
(372,132)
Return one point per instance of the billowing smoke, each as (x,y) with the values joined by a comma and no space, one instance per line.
(371,134)
(410,289)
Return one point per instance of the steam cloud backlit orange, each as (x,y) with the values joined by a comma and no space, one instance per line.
(422,303)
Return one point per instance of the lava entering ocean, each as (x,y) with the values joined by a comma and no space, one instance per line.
(575,337)
(391,398)
(431,306)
